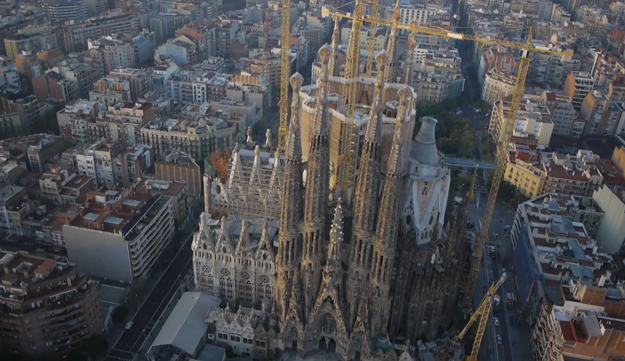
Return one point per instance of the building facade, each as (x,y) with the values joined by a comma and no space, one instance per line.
(48,307)
(119,235)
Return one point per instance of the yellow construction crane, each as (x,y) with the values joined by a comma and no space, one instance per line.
(482,311)
(504,139)
(352,59)
(285,73)
(373,29)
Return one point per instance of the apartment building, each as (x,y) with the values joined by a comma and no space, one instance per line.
(249,89)
(60,10)
(98,162)
(61,185)
(122,121)
(604,116)
(557,231)
(9,75)
(266,64)
(611,237)
(110,91)
(33,151)
(83,74)
(140,80)
(380,37)
(202,30)
(578,330)
(119,234)
(578,85)
(74,34)
(571,174)
(48,307)
(565,119)
(133,163)
(176,190)
(194,87)
(10,125)
(196,137)
(74,119)
(52,85)
(183,50)
(112,53)
(26,106)
(415,13)
(180,167)
(33,41)
(496,57)
(523,171)
(498,84)
(533,125)
(439,76)
(552,68)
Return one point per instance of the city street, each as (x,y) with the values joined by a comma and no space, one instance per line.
(130,342)
(512,336)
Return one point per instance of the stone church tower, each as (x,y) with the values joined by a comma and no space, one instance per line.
(327,296)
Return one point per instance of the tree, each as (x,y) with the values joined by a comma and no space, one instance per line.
(120,313)
(219,161)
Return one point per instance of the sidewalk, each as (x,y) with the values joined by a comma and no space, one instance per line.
(135,304)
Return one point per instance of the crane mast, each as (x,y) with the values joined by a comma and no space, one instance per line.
(373,30)
(482,311)
(285,73)
(346,158)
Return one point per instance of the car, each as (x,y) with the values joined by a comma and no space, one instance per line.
(496,321)
(495,313)
(487,114)
(459,112)
(499,339)
(129,325)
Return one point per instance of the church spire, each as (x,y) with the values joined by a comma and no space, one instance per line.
(412,44)
(366,197)
(388,220)
(390,71)
(317,191)
(291,208)
(336,237)
(334,66)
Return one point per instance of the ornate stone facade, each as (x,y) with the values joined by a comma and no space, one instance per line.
(240,267)
(253,186)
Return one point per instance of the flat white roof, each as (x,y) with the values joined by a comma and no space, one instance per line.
(185,327)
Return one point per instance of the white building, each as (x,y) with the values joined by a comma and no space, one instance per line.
(426,203)
(612,230)
(119,235)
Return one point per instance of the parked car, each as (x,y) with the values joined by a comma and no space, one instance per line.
(459,112)
(129,325)
(499,339)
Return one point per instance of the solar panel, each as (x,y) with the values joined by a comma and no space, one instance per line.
(114,220)
(131,202)
(91,216)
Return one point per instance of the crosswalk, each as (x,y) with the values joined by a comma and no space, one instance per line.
(122,355)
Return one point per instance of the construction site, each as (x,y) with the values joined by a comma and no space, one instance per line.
(433,313)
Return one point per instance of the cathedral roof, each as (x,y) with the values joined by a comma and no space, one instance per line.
(424,147)
(217,233)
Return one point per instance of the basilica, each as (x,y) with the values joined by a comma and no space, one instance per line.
(317,274)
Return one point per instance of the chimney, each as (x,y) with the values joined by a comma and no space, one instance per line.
(602,280)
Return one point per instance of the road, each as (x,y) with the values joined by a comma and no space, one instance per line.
(130,342)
